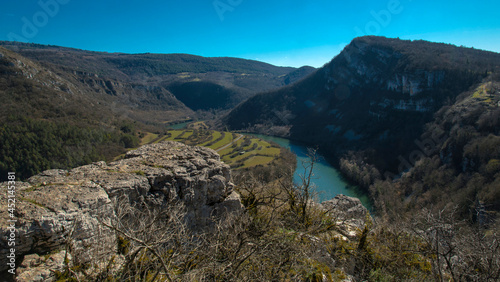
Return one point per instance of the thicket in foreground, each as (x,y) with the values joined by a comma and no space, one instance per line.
(284,236)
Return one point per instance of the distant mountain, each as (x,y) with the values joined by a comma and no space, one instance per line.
(371,101)
(65,107)
(298,74)
(140,81)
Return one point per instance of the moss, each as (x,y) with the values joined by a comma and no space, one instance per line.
(314,270)
(33,202)
(123,245)
(493,166)
(140,172)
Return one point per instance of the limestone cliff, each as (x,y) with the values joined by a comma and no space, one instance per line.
(373,99)
(59,205)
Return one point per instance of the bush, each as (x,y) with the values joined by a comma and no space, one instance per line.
(129,141)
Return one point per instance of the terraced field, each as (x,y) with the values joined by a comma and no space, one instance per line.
(238,151)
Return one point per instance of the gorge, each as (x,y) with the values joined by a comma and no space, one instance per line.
(414,124)
(327,180)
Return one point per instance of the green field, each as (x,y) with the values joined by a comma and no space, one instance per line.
(238,151)
(149,138)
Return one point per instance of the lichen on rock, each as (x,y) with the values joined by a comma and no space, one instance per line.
(350,214)
(58,206)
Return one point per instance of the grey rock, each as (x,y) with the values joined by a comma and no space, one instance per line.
(41,268)
(58,205)
(349,213)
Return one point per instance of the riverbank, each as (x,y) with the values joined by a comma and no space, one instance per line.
(246,152)
(327,179)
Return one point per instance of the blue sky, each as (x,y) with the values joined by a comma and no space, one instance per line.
(288,33)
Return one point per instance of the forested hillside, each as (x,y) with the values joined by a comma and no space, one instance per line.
(458,162)
(44,127)
(369,109)
(66,107)
(138,79)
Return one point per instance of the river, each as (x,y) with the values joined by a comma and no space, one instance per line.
(327,180)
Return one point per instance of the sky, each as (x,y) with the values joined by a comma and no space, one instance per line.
(285,33)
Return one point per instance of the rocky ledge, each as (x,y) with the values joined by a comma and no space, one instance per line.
(57,204)
(349,213)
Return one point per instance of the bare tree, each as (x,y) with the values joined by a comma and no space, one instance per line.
(458,250)
(300,196)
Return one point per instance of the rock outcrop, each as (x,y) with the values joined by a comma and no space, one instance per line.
(349,213)
(58,205)
(41,268)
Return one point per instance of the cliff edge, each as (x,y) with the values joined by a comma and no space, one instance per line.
(58,205)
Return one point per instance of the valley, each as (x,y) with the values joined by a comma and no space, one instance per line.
(247,151)
(363,110)
(178,147)
(373,106)
(154,88)
(116,95)
(236,150)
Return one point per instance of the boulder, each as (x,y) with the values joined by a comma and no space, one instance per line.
(349,213)
(42,268)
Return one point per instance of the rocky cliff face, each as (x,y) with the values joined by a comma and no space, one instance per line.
(375,97)
(59,205)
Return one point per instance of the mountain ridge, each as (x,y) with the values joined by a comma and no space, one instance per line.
(113,71)
(58,91)
(415,124)
(375,96)
(234,64)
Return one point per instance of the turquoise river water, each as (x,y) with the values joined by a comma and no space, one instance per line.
(327,180)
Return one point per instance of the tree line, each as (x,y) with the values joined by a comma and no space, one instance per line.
(30,146)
